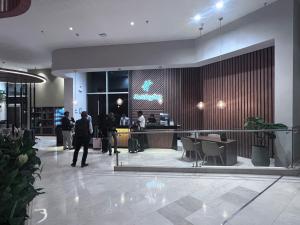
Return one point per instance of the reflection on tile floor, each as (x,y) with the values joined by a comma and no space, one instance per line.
(98,195)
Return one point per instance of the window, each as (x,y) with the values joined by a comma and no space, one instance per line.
(108,92)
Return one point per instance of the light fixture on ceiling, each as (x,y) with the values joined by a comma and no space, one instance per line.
(221,104)
(132,23)
(200,105)
(77,34)
(219,4)
(197,18)
(201,29)
(41,74)
(71,28)
(103,35)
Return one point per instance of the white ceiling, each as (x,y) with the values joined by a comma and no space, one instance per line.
(22,44)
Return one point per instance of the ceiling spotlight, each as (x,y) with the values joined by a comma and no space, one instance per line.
(219,5)
(147,21)
(197,18)
(77,34)
(103,35)
(131,23)
(70,28)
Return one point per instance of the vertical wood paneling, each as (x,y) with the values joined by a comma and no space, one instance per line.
(246,84)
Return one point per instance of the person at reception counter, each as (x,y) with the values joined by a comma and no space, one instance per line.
(151,119)
(124,121)
(141,122)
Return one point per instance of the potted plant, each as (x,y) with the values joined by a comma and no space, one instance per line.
(19,168)
(260,151)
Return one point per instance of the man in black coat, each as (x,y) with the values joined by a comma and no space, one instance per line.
(83,132)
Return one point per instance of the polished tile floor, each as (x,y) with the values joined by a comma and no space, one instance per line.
(97,195)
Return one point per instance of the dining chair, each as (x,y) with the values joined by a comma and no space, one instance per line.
(190,146)
(212,149)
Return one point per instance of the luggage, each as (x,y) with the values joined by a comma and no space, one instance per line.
(133,145)
(105,145)
(97,143)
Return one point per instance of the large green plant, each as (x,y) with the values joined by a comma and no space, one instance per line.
(19,168)
(257,123)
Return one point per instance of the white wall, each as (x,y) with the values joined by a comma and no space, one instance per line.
(75,90)
(51,93)
(2,104)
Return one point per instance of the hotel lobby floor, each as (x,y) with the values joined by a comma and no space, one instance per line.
(98,195)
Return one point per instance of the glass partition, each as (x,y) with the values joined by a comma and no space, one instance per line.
(206,148)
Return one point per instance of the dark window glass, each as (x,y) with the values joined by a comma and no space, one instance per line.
(96,82)
(118,81)
(118,104)
(11,89)
(96,106)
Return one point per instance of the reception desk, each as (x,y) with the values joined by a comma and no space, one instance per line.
(123,137)
(157,139)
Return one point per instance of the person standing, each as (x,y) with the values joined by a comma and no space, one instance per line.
(112,132)
(66,127)
(124,121)
(141,122)
(83,132)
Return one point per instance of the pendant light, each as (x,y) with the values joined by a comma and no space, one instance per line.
(201,104)
(221,104)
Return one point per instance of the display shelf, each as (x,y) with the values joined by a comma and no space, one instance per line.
(45,121)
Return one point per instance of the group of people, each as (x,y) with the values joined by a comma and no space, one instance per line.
(83,129)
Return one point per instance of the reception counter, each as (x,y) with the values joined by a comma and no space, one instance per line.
(161,140)
(153,140)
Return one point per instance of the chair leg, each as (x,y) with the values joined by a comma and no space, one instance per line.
(222,160)
(182,154)
(215,160)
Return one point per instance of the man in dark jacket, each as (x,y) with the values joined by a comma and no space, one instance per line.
(83,132)
(66,127)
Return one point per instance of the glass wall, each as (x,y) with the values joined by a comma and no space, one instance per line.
(108,92)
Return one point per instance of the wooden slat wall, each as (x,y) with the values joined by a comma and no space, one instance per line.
(246,84)
(181,90)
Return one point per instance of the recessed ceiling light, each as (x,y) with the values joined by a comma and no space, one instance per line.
(131,23)
(219,5)
(70,28)
(197,18)
(103,35)
(77,34)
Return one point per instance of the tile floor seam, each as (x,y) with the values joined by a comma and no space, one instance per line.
(250,202)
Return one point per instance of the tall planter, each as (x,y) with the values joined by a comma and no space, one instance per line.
(260,156)
(19,168)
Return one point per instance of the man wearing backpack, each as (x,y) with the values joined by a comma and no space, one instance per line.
(83,132)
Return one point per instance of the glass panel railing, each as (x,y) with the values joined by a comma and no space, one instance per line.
(201,148)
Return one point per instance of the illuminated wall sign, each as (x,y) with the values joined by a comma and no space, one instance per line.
(147,84)
(148,97)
